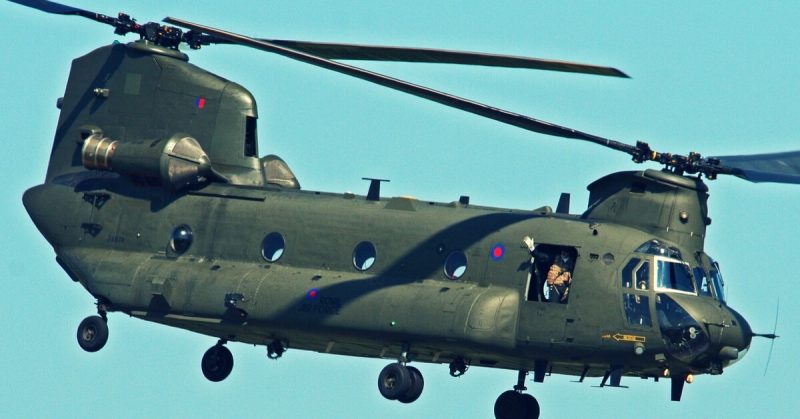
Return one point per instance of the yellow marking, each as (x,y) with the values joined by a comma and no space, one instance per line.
(621,337)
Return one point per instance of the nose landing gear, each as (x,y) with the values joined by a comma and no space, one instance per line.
(514,404)
(93,333)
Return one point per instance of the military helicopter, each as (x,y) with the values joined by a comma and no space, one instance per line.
(466,277)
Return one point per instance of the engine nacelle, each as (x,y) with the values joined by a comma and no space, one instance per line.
(175,163)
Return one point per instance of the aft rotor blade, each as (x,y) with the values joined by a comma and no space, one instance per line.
(772,167)
(497,114)
(336,51)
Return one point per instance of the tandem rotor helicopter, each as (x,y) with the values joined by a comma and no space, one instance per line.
(157,202)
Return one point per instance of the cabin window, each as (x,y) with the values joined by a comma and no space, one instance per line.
(455,265)
(364,256)
(637,309)
(674,275)
(272,247)
(250,138)
(181,239)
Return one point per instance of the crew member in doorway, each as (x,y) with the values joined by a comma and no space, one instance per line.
(559,277)
(535,292)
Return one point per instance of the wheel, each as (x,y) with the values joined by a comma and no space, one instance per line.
(510,405)
(394,381)
(531,406)
(415,389)
(92,333)
(217,363)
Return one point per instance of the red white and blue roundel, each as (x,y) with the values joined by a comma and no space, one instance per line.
(497,252)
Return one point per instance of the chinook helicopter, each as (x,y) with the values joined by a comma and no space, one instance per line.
(464,295)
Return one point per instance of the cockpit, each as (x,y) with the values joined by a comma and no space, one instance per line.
(658,286)
(673,274)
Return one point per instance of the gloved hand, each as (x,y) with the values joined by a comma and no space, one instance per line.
(527,241)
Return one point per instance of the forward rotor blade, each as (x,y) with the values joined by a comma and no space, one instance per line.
(335,51)
(497,114)
(56,8)
(772,167)
(62,9)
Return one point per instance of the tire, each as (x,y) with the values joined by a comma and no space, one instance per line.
(415,389)
(217,363)
(531,406)
(394,381)
(509,405)
(92,334)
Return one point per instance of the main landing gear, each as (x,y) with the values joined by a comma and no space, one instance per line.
(400,382)
(514,404)
(217,362)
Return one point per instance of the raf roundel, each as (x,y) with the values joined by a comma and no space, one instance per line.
(498,251)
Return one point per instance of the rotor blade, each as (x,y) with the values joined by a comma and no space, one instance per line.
(774,329)
(772,167)
(62,9)
(335,51)
(51,7)
(497,114)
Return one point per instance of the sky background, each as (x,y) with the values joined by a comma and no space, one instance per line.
(718,78)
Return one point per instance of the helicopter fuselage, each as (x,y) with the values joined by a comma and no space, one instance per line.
(229,283)
(240,253)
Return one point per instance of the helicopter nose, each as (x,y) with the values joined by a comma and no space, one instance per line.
(735,340)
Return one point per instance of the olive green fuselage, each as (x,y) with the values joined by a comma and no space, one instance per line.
(112,233)
(117,246)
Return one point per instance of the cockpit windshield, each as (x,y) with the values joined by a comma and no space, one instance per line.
(659,248)
(717,282)
(702,282)
(673,275)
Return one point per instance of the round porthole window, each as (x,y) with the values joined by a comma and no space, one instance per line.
(272,247)
(364,256)
(181,239)
(455,265)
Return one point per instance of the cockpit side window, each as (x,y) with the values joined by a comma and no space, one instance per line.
(627,273)
(643,276)
(673,275)
(637,310)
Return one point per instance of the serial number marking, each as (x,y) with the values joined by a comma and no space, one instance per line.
(325,305)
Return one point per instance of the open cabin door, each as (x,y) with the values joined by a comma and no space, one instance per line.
(545,308)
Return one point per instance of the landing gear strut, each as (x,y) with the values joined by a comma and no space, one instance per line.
(514,404)
(399,382)
(217,362)
(275,349)
(458,367)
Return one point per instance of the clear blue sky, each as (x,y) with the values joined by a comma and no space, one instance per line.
(718,78)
